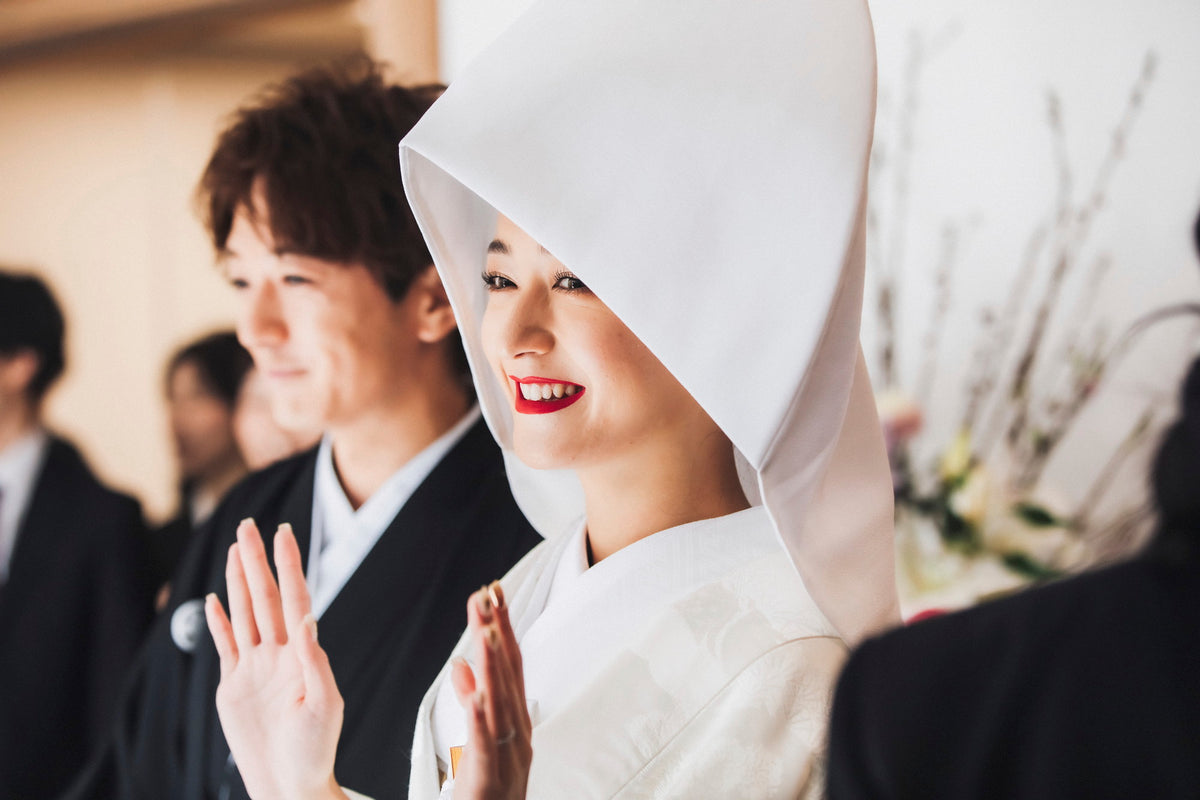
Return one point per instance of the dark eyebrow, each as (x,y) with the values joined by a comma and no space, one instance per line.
(498,246)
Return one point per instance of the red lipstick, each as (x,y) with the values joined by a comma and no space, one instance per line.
(528,405)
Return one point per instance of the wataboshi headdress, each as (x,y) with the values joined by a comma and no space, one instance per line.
(701,165)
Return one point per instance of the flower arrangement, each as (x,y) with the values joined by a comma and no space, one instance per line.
(975,519)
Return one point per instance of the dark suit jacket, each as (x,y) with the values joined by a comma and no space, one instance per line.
(72,614)
(387,633)
(166,544)
(1088,688)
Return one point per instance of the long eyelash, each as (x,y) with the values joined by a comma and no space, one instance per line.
(565,273)
(489,277)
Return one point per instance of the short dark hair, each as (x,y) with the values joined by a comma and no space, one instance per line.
(322,148)
(221,361)
(1196,234)
(30,319)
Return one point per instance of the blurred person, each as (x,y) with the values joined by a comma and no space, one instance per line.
(203,381)
(1086,688)
(74,590)
(402,510)
(260,437)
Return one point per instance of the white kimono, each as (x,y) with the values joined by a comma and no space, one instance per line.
(701,167)
(690,664)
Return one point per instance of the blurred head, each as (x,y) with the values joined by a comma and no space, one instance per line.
(259,437)
(31,341)
(583,388)
(1177,464)
(338,301)
(202,383)
(1176,473)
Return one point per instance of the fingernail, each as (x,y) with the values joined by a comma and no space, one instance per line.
(485,604)
(211,597)
(496,594)
(310,622)
(284,527)
(493,638)
(246,521)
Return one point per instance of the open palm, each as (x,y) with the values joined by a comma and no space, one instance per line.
(279,705)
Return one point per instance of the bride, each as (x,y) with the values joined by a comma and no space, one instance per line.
(649,219)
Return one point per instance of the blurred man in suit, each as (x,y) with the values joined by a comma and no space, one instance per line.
(74,592)
(404,507)
(1087,688)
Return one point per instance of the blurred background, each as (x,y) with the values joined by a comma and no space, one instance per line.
(1034,180)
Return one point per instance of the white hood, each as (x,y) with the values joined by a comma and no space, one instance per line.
(701,166)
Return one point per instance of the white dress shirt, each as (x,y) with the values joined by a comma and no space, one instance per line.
(341,535)
(20,465)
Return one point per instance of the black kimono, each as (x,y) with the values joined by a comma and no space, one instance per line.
(72,614)
(1088,688)
(387,633)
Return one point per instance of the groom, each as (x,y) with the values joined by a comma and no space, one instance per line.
(401,511)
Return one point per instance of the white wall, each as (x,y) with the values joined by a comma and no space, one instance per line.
(99,159)
(466,27)
(982,159)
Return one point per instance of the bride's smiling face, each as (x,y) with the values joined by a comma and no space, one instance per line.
(583,388)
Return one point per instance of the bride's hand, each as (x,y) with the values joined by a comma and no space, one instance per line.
(278,702)
(495,761)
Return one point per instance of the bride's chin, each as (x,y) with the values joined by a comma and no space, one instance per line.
(541,452)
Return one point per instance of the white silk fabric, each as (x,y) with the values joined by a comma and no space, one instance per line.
(690,664)
(701,166)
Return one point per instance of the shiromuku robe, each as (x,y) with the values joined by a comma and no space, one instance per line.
(692,663)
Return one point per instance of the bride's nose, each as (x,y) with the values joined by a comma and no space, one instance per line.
(525,326)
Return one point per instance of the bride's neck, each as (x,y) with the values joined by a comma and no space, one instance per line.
(646,492)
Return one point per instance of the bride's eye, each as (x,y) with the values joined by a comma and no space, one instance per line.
(495,282)
(567,282)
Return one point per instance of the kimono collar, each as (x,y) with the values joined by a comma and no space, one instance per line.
(701,166)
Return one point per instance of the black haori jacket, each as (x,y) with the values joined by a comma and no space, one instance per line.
(387,633)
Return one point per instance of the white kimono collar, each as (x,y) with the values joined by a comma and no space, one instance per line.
(701,166)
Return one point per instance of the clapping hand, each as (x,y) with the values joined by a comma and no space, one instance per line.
(278,702)
(496,759)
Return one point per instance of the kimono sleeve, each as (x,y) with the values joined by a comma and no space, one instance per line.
(761,736)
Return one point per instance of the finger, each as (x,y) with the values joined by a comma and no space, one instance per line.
(264,593)
(320,687)
(463,681)
(508,638)
(480,751)
(241,612)
(492,673)
(222,633)
(495,682)
(293,589)
(512,724)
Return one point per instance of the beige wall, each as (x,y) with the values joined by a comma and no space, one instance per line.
(100,149)
(98,161)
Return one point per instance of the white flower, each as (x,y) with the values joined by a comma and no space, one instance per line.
(971,500)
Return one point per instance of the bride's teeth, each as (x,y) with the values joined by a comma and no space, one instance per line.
(548,391)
